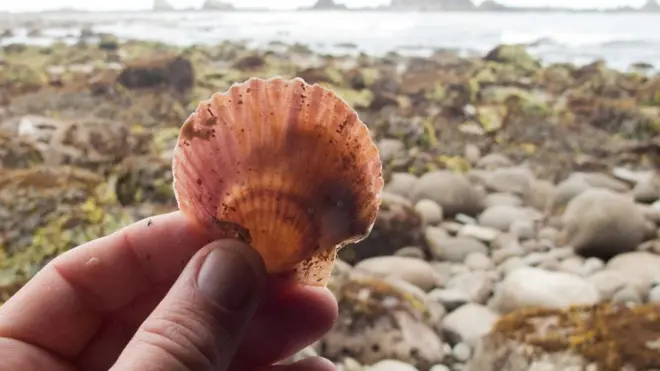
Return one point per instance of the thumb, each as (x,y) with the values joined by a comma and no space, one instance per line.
(199,323)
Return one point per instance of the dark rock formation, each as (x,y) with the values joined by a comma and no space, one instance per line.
(651,6)
(434,4)
(162,6)
(216,5)
(328,5)
(491,5)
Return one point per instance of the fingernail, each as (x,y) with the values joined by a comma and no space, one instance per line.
(227,278)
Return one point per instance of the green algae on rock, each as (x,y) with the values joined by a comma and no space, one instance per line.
(50,210)
(560,118)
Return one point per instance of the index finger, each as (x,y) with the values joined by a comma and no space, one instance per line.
(62,307)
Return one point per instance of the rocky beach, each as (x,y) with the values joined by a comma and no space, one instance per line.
(519,227)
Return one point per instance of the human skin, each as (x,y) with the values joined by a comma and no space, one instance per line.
(159,295)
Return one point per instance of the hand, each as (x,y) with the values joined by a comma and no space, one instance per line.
(159,295)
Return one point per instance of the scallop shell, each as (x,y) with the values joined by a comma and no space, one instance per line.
(283,165)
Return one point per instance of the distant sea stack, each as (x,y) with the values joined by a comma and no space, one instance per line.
(216,5)
(651,6)
(162,6)
(327,5)
(433,4)
(490,5)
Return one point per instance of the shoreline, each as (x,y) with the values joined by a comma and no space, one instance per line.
(376,9)
(508,185)
(70,31)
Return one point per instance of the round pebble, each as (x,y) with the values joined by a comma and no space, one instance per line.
(430,211)
(461,352)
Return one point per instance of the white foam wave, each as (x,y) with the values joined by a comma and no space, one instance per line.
(569,39)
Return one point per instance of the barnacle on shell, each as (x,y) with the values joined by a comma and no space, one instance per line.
(283,165)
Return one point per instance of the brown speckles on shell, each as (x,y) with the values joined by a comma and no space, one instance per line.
(290,164)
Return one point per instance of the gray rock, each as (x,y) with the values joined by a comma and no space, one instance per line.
(531,246)
(454,249)
(415,271)
(566,191)
(524,229)
(465,219)
(510,265)
(540,194)
(477,177)
(501,217)
(627,295)
(478,232)
(389,149)
(502,199)
(647,190)
(391,365)
(601,223)
(477,285)
(654,295)
(457,269)
(514,180)
(398,329)
(440,368)
(529,287)
(501,255)
(608,282)
(548,233)
(572,265)
(401,184)
(651,212)
(443,270)
(561,253)
(577,183)
(549,265)
(461,352)
(468,324)
(603,181)
(494,161)
(453,192)
(410,252)
(472,153)
(351,364)
(543,366)
(478,261)
(591,266)
(537,258)
(451,227)
(430,211)
(639,268)
(449,298)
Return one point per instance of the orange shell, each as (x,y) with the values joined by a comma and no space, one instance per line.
(283,165)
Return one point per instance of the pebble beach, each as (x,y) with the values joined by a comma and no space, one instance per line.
(519,225)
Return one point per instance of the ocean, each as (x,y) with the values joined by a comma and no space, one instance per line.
(619,39)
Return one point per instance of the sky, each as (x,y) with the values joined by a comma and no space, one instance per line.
(35,5)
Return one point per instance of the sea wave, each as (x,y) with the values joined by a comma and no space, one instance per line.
(621,40)
(571,39)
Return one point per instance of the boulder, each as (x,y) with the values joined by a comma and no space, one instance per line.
(602,223)
(159,71)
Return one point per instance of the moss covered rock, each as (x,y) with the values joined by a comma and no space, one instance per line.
(513,54)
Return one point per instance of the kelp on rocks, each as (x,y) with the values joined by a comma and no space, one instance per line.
(46,211)
(615,337)
(121,108)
